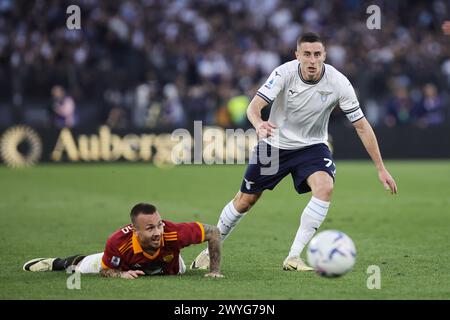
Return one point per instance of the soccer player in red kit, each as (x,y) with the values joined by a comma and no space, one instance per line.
(147,246)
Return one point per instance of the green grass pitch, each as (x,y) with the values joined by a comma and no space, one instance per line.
(60,210)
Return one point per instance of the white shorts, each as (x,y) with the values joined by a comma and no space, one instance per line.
(90,264)
(93,264)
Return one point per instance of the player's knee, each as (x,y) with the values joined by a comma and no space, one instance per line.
(242,205)
(324,190)
(243,202)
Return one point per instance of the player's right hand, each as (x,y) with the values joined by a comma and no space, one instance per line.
(132,274)
(265,129)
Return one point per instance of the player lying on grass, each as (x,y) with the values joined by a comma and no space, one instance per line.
(147,246)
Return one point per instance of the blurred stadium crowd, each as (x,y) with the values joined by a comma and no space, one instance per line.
(155,63)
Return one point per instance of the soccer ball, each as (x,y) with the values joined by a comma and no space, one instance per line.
(331,253)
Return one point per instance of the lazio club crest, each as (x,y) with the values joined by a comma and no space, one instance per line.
(324,95)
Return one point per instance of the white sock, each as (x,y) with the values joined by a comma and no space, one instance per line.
(311,219)
(228,220)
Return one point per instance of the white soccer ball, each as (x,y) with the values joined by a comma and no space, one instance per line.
(331,253)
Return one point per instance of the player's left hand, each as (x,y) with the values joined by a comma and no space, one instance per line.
(387,181)
(214,275)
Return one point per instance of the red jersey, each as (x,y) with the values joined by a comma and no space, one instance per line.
(124,252)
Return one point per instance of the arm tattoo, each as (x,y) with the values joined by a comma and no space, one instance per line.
(110,273)
(212,235)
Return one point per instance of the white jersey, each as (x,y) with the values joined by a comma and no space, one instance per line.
(301,109)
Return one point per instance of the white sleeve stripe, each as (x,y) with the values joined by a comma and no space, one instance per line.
(351,110)
(264,97)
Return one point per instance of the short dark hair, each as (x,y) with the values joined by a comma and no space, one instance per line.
(309,37)
(141,208)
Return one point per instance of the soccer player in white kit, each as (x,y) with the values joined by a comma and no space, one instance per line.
(303,93)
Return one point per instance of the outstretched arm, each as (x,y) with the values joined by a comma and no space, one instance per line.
(369,140)
(212,235)
(115,273)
